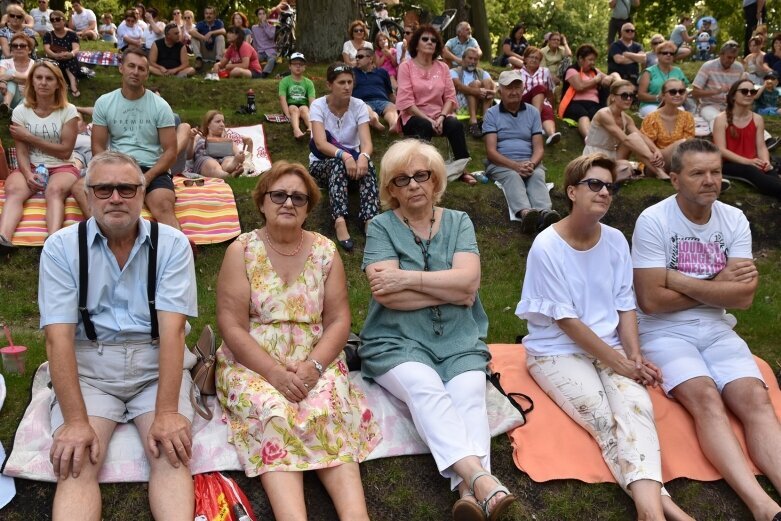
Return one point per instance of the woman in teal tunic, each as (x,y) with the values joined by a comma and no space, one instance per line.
(423,336)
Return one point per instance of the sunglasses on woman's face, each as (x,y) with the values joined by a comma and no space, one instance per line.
(427,39)
(55,19)
(357,30)
(421,176)
(17,16)
(748,92)
(626,96)
(596,185)
(281,197)
(18,46)
(675,92)
(666,53)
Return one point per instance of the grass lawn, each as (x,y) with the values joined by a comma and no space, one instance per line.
(399,488)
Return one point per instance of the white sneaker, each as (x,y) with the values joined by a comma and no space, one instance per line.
(553,138)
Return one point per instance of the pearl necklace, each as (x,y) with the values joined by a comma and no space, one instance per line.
(294,253)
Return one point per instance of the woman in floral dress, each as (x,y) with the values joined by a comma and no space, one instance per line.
(283,312)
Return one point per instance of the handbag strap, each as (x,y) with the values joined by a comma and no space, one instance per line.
(494,379)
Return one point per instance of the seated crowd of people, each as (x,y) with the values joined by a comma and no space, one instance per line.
(656,315)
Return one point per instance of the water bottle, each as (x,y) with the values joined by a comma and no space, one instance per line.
(42,175)
(239,513)
(251,101)
(480,176)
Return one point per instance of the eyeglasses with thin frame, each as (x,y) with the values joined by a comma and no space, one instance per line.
(427,39)
(748,92)
(675,92)
(596,185)
(18,46)
(421,176)
(280,197)
(626,96)
(125,190)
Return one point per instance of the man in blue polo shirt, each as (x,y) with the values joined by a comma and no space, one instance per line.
(373,86)
(453,52)
(208,38)
(514,147)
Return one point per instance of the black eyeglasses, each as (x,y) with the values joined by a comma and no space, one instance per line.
(55,19)
(626,96)
(281,197)
(596,185)
(125,190)
(18,46)
(362,56)
(421,176)
(427,39)
(193,182)
(666,53)
(748,92)
(17,16)
(675,92)
(629,30)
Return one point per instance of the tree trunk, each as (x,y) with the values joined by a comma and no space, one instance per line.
(475,13)
(321,27)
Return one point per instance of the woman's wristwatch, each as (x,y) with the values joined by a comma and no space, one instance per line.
(367,156)
(317,365)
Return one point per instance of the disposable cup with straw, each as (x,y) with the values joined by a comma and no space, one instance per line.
(13,356)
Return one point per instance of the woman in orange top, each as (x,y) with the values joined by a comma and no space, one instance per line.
(669,125)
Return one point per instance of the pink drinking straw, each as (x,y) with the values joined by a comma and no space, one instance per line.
(8,335)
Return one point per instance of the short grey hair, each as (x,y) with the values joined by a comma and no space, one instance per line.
(462,25)
(110,157)
(691,146)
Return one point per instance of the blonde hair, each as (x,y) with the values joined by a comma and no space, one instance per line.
(60,95)
(397,159)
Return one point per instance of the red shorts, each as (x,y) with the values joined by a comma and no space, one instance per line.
(67,168)
(546,114)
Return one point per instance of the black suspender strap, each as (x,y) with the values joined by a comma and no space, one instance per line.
(151,282)
(89,327)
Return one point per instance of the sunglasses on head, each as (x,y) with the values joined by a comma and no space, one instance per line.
(627,96)
(675,92)
(748,92)
(421,176)
(281,197)
(125,190)
(341,68)
(596,185)
(666,53)
(193,182)
(18,46)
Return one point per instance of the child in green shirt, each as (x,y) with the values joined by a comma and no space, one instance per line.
(295,94)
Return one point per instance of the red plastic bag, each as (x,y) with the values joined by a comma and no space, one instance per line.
(219,498)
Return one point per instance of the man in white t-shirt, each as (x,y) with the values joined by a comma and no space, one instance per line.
(84,22)
(474,89)
(41,16)
(692,259)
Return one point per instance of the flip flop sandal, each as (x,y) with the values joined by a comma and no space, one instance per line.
(75,93)
(502,505)
(466,510)
(468,179)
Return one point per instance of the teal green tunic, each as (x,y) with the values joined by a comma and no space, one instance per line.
(392,337)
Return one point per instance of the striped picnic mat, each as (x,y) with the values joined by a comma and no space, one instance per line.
(207,213)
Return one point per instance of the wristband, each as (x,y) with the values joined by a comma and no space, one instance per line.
(367,156)
(339,153)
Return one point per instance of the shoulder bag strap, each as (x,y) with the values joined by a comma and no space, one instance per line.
(89,327)
(151,282)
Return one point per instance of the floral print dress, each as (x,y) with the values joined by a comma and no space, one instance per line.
(333,424)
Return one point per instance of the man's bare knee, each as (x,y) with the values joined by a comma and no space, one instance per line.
(701,398)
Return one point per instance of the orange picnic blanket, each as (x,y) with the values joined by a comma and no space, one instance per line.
(206,213)
(552,446)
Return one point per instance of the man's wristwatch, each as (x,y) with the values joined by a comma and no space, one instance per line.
(317,365)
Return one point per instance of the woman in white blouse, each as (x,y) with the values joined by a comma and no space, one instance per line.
(583,347)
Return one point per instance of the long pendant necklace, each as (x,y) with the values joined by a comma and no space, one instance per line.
(294,253)
(436,313)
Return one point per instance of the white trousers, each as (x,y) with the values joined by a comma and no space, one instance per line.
(451,417)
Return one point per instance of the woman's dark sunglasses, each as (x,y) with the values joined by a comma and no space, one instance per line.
(421,176)
(675,92)
(125,190)
(17,16)
(18,46)
(55,19)
(627,96)
(748,92)
(666,53)
(358,30)
(596,185)
(281,197)
(427,39)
